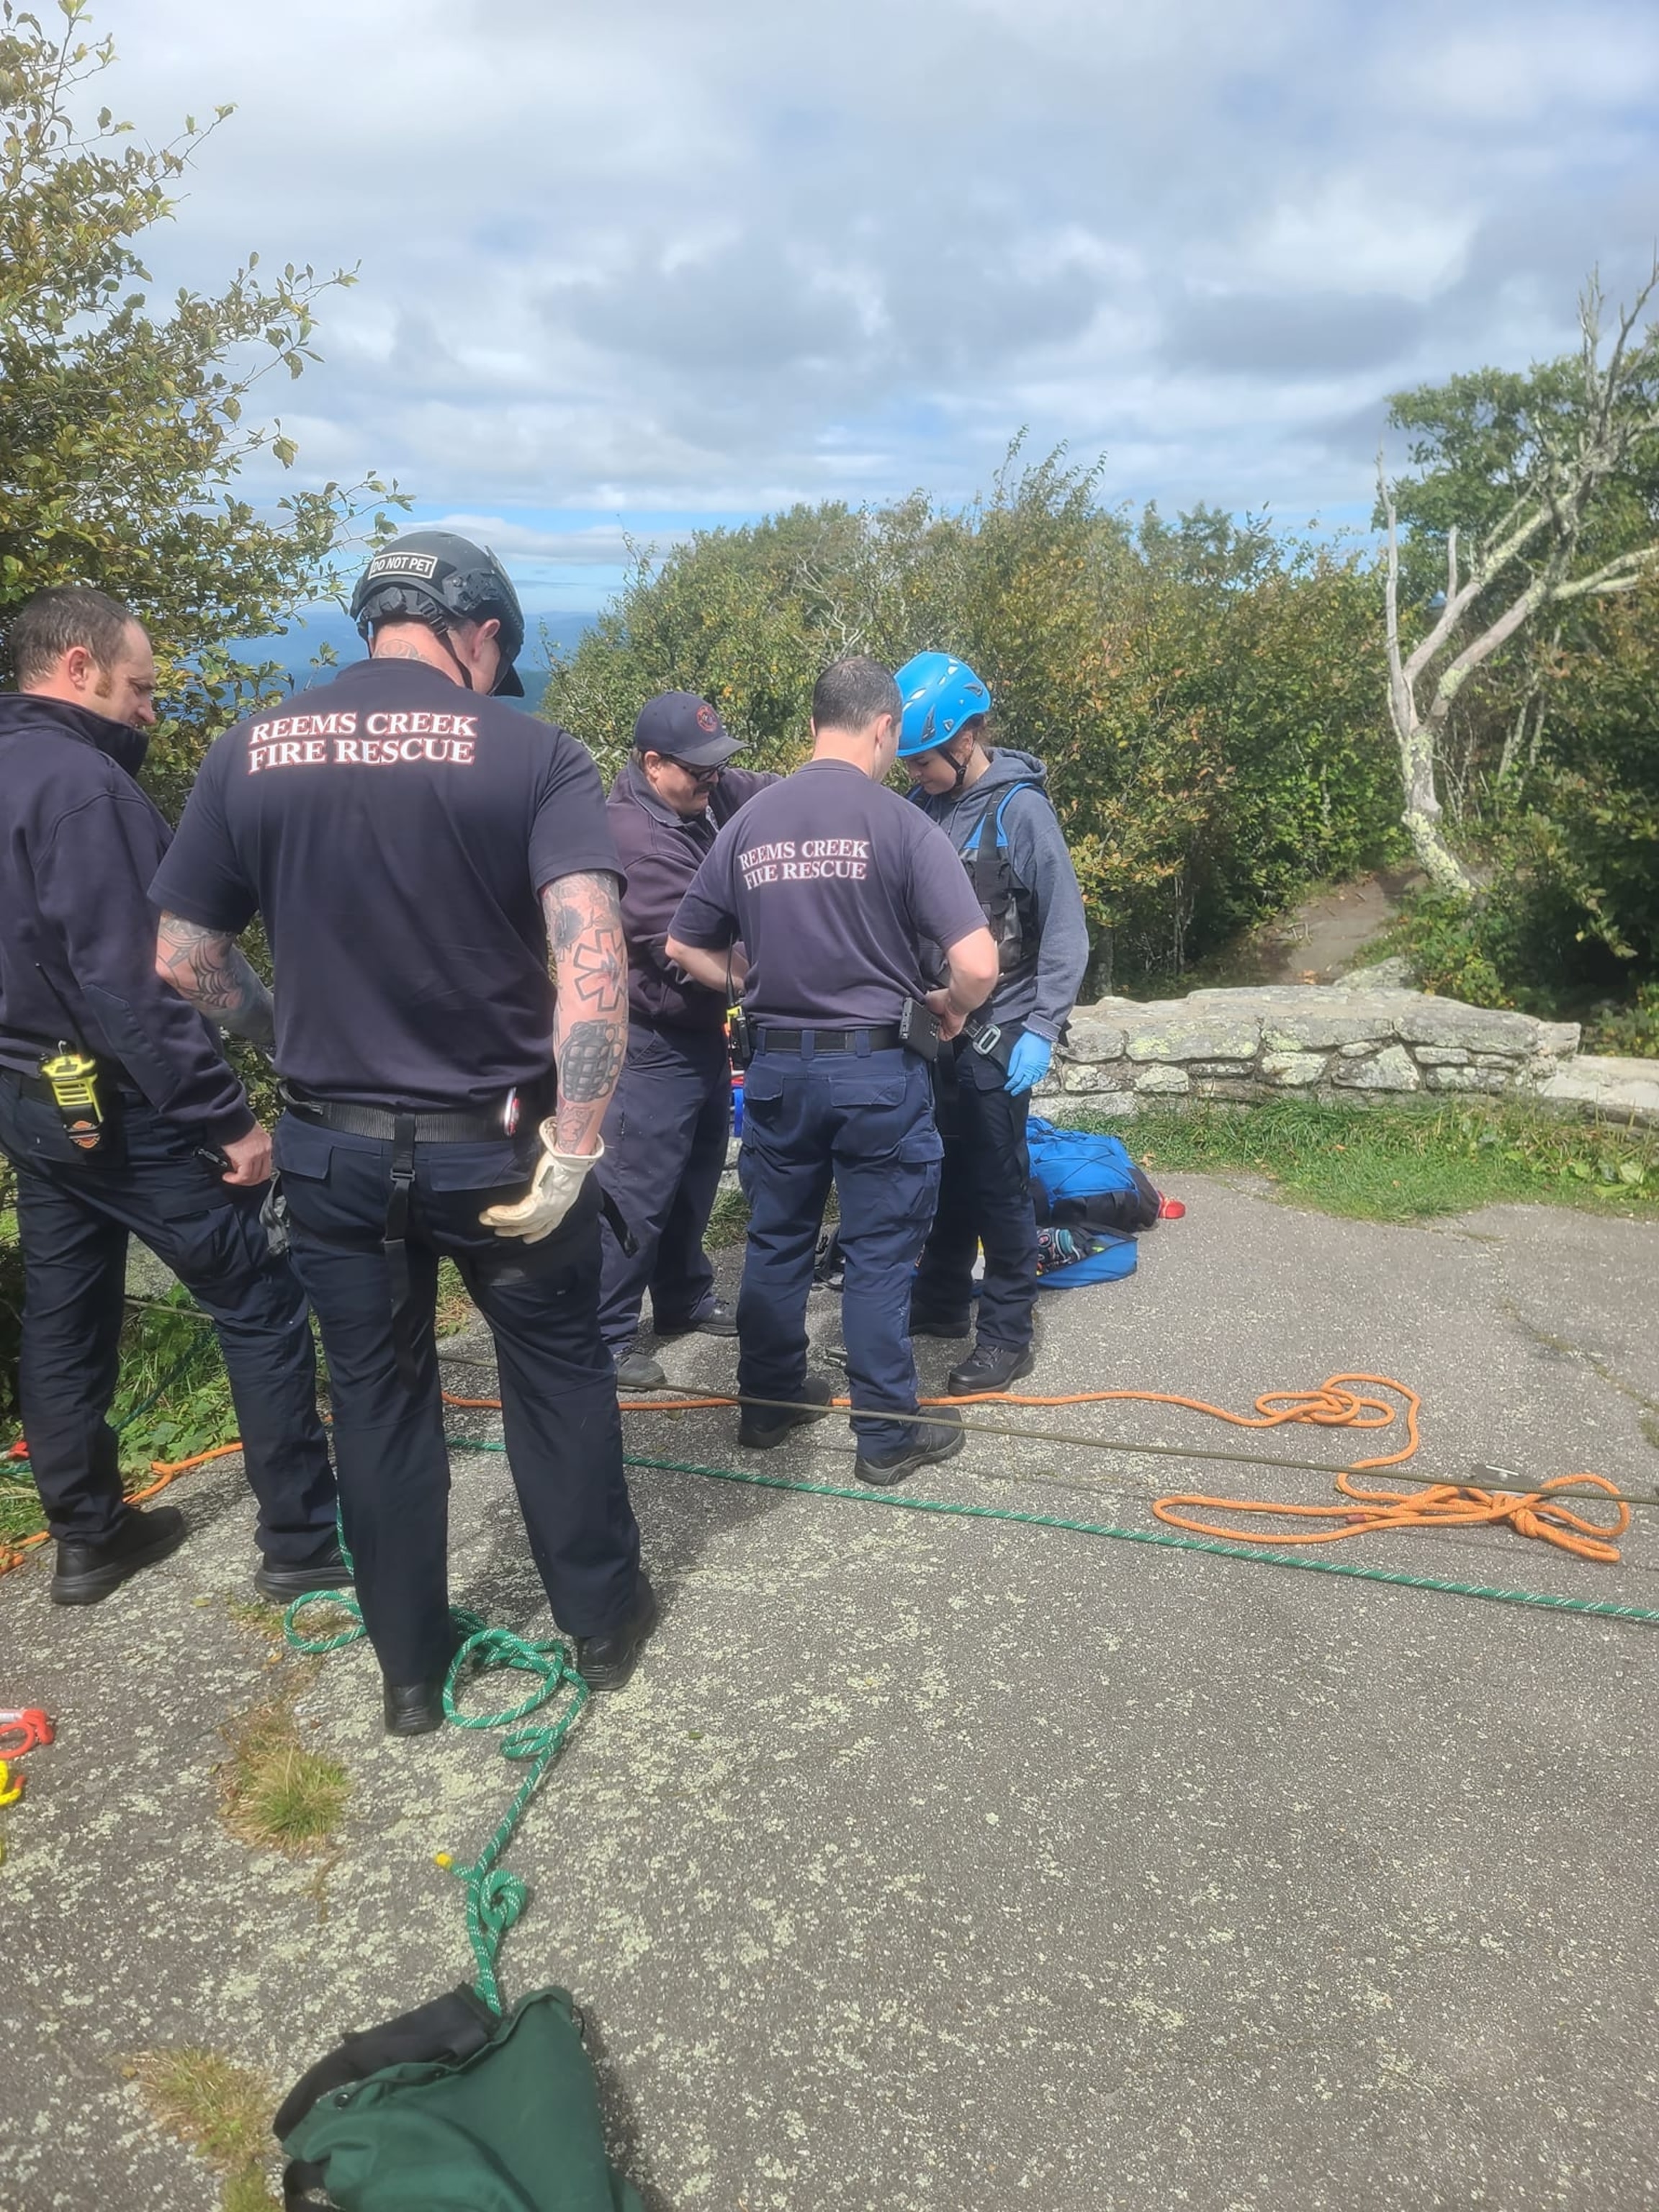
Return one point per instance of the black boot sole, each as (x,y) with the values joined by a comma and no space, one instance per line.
(282,1585)
(99,1582)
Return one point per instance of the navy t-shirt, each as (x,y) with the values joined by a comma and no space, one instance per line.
(834,884)
(395,831)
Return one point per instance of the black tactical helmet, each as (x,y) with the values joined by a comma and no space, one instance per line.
(431,576)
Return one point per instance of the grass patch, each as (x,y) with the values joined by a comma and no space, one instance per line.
(173,1401)
(1405,1164)
(274,1792)
(221,2110)
(728,1223)
(454,1309)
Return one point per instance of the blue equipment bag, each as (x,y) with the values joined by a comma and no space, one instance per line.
(1090,1200)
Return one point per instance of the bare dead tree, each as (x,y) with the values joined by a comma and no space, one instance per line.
(1539,536)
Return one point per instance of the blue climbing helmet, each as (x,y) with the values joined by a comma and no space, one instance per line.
(940,693)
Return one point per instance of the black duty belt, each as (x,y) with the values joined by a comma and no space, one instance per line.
(887,1038)
(402,1131)
(472,1126)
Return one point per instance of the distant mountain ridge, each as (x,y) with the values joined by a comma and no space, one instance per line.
(295,650)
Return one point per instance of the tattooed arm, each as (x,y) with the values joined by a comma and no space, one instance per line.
(590,1022)
(206,967)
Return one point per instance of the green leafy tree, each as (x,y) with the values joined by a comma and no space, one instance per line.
(126,425)
(1202,696)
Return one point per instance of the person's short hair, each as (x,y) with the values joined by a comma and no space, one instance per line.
(852,693)
(44,628)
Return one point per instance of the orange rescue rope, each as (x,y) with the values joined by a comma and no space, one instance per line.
(1336,1404)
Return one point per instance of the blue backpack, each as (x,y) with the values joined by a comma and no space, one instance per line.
(1091,1200)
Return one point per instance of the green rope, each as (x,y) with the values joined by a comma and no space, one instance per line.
(1165,1540)
(494,1898)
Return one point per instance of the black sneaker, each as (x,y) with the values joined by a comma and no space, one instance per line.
(604,1661)
(284,1584)
(990,1367)
(87,1573)
(760,1427)
(952,1324)
(715,1319)
(929,1441)
(638,1370)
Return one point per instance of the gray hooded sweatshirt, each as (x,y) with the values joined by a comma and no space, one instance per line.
(1040,997)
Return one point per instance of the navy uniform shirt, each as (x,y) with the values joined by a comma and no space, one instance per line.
(79,842)
(662,852)
(395,830)
(835,885)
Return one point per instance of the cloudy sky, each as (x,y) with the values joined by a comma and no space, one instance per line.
(629,266)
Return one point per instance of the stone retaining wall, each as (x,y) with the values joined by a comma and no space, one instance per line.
(1343,1042)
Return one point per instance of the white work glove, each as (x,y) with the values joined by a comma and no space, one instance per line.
(554,1189)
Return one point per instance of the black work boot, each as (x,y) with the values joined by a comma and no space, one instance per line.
(928,1442)
(638,1370)
(990,1367)
(760,1427)
(604,1661)
(87,1573)
(715,1319)
(417,1708)
(284,1584)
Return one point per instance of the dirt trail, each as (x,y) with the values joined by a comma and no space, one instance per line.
(1320,937)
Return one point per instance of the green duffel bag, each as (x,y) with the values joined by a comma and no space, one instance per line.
(451,2108)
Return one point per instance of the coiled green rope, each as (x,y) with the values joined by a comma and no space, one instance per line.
(494,1898)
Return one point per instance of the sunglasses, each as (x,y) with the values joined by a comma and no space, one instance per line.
(700,776)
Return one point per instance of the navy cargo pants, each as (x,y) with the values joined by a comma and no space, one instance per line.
(865,1122)
(984,1198)
(74,1213)
(558,1387)
(666,1136)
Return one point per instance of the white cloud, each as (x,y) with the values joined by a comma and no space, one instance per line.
(650,259)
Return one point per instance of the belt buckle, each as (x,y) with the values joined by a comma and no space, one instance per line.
(510,1112)
(987,1038)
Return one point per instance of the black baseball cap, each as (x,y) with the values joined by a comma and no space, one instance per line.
(686,728)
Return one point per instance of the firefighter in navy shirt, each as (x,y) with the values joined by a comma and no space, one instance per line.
(834,885)
(670,1122)
(175,1156)
(418,850)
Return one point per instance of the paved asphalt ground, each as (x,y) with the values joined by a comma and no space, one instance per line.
(930,1863)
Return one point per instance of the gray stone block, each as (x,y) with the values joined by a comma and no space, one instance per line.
(1480,1028)
(1092,1039)
(1392,1069)
(1321,1030)
(1213,1070)
(1184,1038)
(1294,1071)
(1163,1082)
(1468,1078)
(1441,1055)
(1361,1049)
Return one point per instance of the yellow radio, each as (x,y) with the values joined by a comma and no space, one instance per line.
(72,1079)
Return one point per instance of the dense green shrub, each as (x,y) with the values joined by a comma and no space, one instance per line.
(1205,695)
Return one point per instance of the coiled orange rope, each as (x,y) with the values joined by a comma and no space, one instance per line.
(1341,1402)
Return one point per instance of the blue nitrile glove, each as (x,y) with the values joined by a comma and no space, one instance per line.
(1028,1063)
